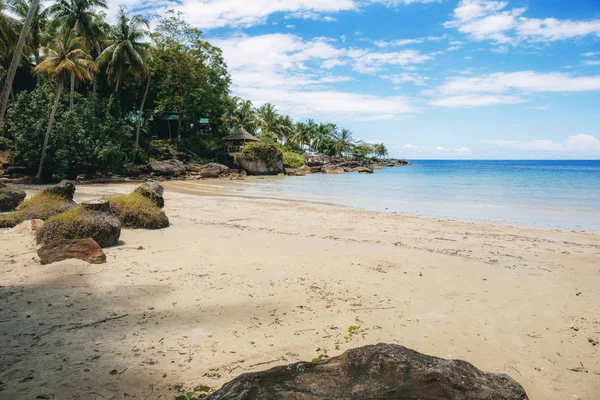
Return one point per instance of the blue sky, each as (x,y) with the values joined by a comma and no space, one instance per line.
(432,79)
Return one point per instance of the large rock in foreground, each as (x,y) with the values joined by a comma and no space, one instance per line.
(82,222)
(10,197)
(152,191)
(82,249)
(383,371)
(64,189)
(167,168)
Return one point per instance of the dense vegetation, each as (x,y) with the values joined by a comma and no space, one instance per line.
(82,96)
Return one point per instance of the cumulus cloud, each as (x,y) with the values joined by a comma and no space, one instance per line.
(507,88)
(583,144)
(287,70)
(493,20)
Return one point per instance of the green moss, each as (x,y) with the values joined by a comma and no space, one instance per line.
(293,160)
(41,206)
(138,212)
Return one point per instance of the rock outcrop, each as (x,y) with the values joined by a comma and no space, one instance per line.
(383,371)
(82,222)
(260,167)
(170,168)
(317,160)
(82,249)
(64,189)
(152,191)
(332,169)
(214,170)
(363,170)
(10,197)
(30,226)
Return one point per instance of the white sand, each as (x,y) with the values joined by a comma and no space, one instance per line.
(237,282)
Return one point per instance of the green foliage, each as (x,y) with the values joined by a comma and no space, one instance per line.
(138,212)
(200,390)
(84,140)
(41,206)
(258,151)
(293,160)
(351,332)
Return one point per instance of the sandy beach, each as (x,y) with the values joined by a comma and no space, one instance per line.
(240,284)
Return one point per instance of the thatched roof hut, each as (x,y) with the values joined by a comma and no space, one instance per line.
(235,142)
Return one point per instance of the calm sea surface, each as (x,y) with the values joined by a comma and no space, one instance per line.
(544,193)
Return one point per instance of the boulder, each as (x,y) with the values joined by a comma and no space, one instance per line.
(377,166)
(64,189)
(29,227)
(152,191)
(350,164)
(10,197)
(382,371)
(363,170)
(332,169)
(291,171)
(317,159)
(261,167)
(82,249)
(167,168)
(89,220)
(305,169)
(214,170)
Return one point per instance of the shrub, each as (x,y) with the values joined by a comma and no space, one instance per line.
(293,160)
(41,206)
(138,212)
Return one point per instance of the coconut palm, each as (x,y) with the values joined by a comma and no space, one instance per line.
(344,141)
(37,32)
(64,57)
(301,134)
(125,52)
(81,17)
(16,58)
(268,120)
(8,36)
(380,150)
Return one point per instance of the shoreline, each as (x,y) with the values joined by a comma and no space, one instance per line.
(238,285)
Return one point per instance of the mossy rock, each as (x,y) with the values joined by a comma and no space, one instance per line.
(41,206)
(10,197)
(138,212)
(81,223)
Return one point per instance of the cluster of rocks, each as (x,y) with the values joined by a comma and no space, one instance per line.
(81,232)
(321,163)
(382,371)
(10,197)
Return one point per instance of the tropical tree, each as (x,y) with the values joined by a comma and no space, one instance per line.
(63,58)
(380,150)
(268,120)
(16,58)
(81,17)
(301,134)
(37,32)
(126,51)
(344,141)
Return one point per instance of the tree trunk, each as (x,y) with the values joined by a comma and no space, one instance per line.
(95,83)
(72,90)
(139,121)
(49,128)
(12,70)
(12,95)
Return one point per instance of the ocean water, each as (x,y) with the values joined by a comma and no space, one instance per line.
(562,194)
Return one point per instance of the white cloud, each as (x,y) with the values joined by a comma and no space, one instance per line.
(582,144)
(368,62)
(476,100)
(591,54)
(463,150)
(440,148)
(398,79)
(406,42)
(280,68)
(591,62)
(507,88)
(492,20)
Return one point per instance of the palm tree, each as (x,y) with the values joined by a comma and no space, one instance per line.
(37,32)
(268,120)
(16,58)
(344,141)
(301,134)
(240,114)
(64,57)
(79,16)
(380,150)
(126,52)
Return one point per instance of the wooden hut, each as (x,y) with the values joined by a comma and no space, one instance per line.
(235,142)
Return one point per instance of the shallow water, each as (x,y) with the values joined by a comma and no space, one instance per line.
(562,194)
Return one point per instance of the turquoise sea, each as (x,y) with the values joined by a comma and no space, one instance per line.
(562,194)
